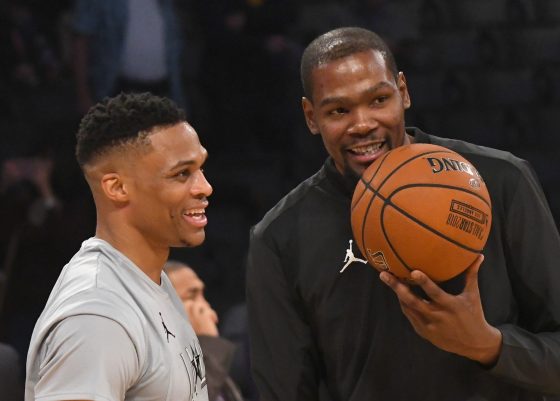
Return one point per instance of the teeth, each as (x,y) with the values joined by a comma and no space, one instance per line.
(363,150)
(194,211)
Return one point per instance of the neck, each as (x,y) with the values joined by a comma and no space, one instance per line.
(408,139)
(148,258)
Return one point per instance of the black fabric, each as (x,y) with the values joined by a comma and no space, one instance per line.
(218,355)
(11,386)
(310,325)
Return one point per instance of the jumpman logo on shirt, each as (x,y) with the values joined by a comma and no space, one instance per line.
(165,330)
(350,258)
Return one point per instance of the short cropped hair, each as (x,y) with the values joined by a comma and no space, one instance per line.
(340,43)
(123,119)
(172,265)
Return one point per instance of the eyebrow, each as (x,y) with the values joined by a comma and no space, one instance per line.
(368,91)
(182,163)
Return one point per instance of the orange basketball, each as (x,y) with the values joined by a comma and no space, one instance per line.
(423,207)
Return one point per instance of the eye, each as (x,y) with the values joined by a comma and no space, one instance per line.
(380,99)
(183,174)
(338,111)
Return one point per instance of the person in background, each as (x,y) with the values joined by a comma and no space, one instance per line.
(11,386)
(218,352)
(127,45)
(31,243)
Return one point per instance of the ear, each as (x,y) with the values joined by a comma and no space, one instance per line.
(309,113)
(114,187)
(403,89)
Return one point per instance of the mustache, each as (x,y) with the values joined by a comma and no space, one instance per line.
(370,138)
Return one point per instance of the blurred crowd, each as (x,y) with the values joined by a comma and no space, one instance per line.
(478,70)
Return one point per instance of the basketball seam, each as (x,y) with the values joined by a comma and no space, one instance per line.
(387,203)
(420,223)
(446,186)
(376,192)
(367,184)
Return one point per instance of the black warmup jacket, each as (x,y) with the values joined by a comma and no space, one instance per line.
(312,327)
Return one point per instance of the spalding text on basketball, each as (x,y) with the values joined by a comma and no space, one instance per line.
(446,164)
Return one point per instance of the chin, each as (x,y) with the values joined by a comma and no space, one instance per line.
(193,240)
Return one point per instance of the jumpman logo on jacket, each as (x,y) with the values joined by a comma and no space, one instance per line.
(165,330)
(350,258)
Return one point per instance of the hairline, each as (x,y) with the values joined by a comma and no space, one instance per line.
(140,143)
(329,60)
(172,266)
(338,44)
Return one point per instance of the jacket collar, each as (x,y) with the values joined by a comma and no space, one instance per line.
(344,184)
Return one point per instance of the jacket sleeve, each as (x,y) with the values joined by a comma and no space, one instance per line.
(282,353)
(530,355)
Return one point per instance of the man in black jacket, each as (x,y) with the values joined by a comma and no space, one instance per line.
(362,335)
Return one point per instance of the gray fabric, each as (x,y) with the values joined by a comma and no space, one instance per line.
(112,365)
(110,333)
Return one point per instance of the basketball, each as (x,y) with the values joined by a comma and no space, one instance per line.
(421,207)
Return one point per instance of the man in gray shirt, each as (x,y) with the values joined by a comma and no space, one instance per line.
(113,327)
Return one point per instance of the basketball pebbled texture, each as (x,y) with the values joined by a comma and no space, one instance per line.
(421,206)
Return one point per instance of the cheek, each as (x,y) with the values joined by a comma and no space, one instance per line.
(394,115)
(172,196)
(332,133)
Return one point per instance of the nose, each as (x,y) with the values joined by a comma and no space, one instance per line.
(363,122)
(201,186)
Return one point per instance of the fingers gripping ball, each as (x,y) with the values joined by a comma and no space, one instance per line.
(423,207)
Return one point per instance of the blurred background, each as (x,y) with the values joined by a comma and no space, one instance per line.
(485,71)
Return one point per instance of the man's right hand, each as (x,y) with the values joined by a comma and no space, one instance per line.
(203,318)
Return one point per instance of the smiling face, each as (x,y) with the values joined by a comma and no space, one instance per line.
(168,190)
(357,107)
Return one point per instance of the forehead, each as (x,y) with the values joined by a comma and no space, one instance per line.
(180,135)
(349,73)
(187,277)
(174,144)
